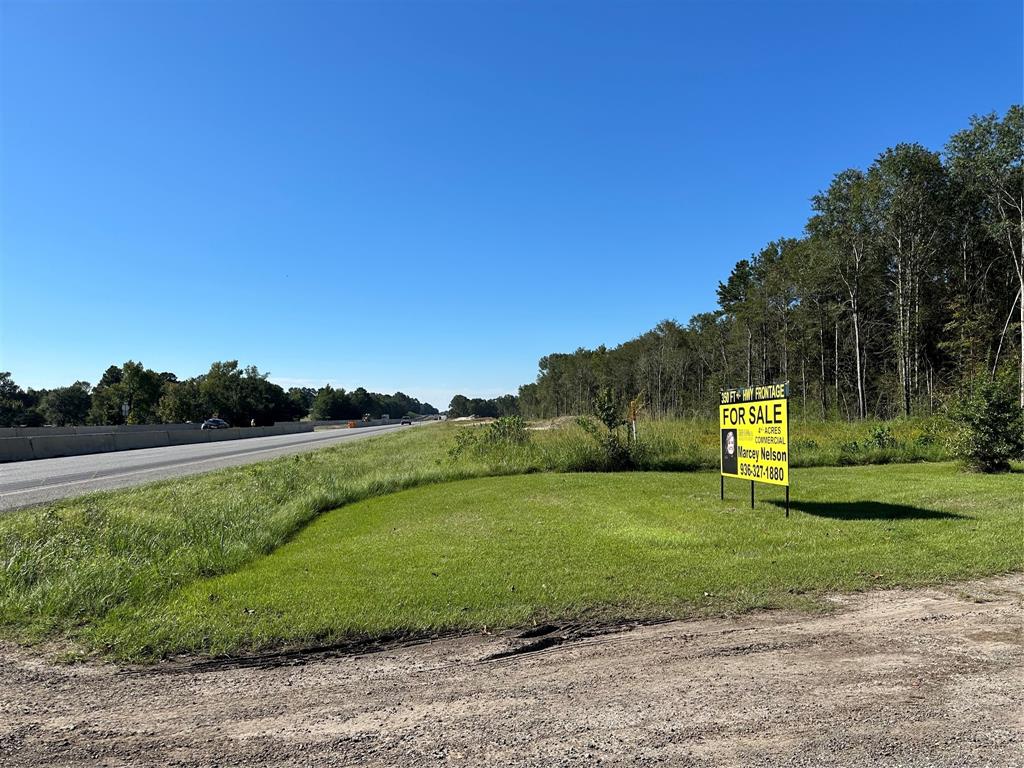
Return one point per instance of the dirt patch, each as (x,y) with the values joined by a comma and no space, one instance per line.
(897,678)
(556,423)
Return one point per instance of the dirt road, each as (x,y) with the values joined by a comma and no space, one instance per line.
(903,678)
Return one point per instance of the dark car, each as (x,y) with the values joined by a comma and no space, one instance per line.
(215,424)
(406,421)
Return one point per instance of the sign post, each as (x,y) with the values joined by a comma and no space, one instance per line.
(754,425)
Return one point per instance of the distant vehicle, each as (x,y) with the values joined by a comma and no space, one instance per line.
(406,421)
(215,424)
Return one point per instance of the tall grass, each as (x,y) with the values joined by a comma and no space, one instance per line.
(694,444)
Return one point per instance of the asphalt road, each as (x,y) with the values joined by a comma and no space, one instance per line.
(24,483)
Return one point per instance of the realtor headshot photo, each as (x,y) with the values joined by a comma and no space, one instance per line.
(730,461)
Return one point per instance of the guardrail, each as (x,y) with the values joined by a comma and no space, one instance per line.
(50,445)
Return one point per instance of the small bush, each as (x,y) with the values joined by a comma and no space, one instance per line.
(466,440)
(988,428)
(587,425)
(505,432)
(933,432)
(620,451)
(881,437)
(617,451)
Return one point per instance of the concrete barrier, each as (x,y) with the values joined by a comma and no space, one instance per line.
(166,427)
(359,422)
(93,430)
(189,437)
(231,433)
(132,441)
(36,431)
(15,449)
(50,444)
(281,428)
(71,445)
(128,428)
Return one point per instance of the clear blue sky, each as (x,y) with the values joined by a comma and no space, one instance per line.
(430,196)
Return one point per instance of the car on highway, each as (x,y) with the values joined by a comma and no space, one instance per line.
(406,422)
(215,424)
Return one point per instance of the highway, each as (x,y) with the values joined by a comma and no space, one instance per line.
(25,483)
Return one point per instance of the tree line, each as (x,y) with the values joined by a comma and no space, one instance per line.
(905,287)
(330,403)
(461,406)
(134,394)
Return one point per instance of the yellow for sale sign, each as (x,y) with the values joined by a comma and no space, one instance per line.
(754,424)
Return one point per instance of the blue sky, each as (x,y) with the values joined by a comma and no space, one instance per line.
(430,196)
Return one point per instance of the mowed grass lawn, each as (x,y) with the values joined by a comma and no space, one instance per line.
(510,551)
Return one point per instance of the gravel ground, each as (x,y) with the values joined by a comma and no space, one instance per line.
(929,677)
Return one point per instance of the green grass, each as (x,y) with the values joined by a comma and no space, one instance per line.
(510,551)
(68,568)
(67,564)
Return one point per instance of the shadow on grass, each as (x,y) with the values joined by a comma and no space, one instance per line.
(675,465)
(868,510)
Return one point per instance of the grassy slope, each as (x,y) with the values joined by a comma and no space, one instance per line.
(508,551)
(70,562)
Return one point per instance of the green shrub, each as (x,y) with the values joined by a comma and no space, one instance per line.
(933,431)
(465,441)
(850,447)
(881,437)
(505,432)
(607,410)
(620,450)
(988,427)
(925,438)
(801,444)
